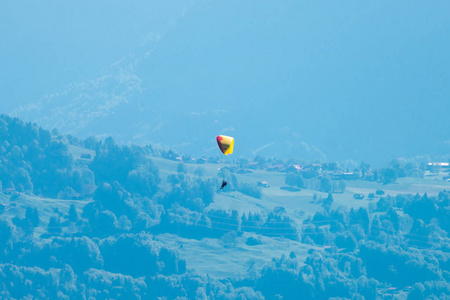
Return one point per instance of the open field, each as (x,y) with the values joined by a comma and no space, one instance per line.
(46,207)
(230,260)
(298,204)
(233,260)
(407,185)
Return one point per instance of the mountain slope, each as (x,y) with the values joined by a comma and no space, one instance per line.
(286,79)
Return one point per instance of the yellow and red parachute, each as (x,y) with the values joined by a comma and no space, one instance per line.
(226,144)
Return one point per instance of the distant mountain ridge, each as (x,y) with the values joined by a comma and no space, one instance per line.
(268,76)
(74,109)
(110,106)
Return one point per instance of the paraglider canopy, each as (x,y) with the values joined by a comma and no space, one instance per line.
(226,144)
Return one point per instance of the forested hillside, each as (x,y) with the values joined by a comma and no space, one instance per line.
(90,218)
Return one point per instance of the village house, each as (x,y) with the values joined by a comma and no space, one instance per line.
(432,165)
(202,160)
(263,184)
(294,169)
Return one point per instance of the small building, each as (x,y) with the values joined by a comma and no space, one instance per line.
(190,160)
(350,176)
(433,165)
(358,196)
(202,160)
(263,184)
(294,168)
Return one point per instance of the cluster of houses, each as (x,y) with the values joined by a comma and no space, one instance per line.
(308,171)
(443,165)
(314,170)
(436,167)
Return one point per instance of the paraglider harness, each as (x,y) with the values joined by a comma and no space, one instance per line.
(224,184)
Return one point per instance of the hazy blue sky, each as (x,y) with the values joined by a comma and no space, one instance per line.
(360,80)
(345,81)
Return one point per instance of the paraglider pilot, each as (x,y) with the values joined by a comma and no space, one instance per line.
(224,183)
(226,145)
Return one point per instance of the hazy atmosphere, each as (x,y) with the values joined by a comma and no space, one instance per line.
(112,183)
